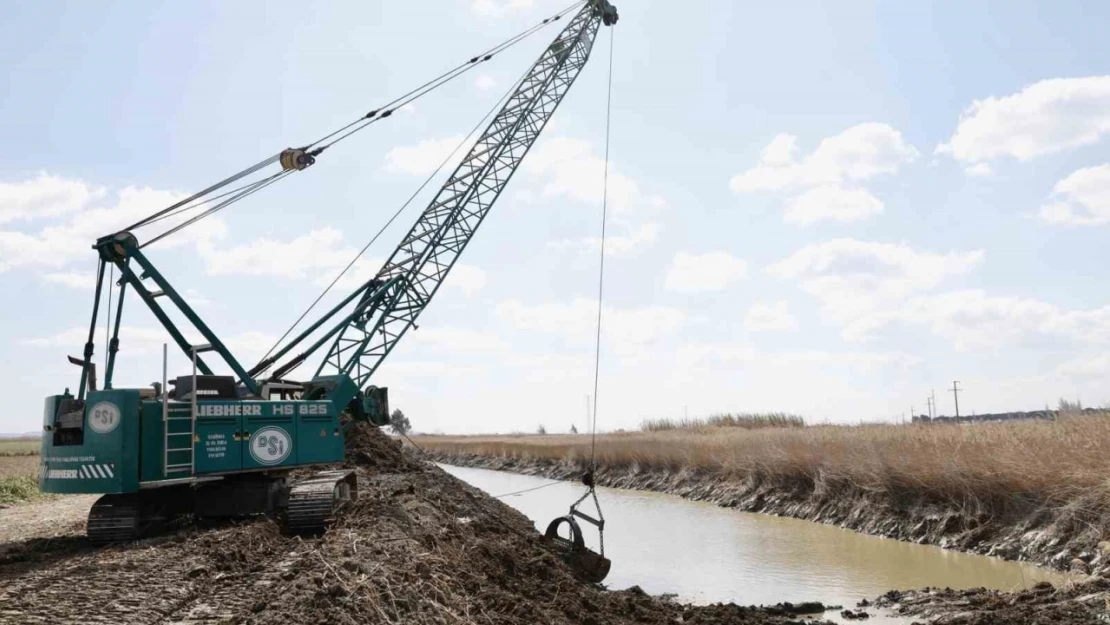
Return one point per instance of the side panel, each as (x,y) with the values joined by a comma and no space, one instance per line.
(319,437)
(218,447)
(106,460)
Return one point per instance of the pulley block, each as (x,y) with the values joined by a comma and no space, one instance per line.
(296,159)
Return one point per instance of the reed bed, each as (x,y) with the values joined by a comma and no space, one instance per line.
(748,421)
(989,466)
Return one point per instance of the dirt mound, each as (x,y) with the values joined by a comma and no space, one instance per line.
(418,547)
(1042,604)
(368,447)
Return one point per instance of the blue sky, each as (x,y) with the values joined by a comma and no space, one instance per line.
(822,208)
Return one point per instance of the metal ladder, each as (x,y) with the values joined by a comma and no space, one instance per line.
(178,414)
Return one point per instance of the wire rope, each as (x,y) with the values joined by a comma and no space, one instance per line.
(348,130)
(601,270)
(527,490)
(251,190)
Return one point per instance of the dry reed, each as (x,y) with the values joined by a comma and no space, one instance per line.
(989,466)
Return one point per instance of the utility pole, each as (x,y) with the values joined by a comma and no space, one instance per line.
(956,396)
(929,403)
(933,393)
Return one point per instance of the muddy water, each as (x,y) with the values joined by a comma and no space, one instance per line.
(705,553)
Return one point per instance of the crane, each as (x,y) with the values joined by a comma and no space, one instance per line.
(222,446)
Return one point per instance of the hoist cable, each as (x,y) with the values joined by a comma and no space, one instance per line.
(601,270)
(481,123)
(361,123)
(527,490)
(223,183)
(262,184)
(386,110)
(185,209)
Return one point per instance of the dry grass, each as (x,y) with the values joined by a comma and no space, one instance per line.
(748,421)
(20,446)
(989,466)
(18,480)
(11,466)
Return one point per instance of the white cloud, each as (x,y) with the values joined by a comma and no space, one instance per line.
(577,321)
(980,170)
(764,317)
(485,82)
(1096,366)
(195,299)
(851,277)
(497,8)
(718,356)
(693,273)
(435,369)
(451,339)
(1081,199)
(974,319)
(44,196)
(246,347)
(319,256)
(74,280)
(780,151)
(832,202)
(565,167)
(468,278)
(422,158)
(827,182)
(319,252)
(61,243)
(859,153)
(1046,117)
(619,245)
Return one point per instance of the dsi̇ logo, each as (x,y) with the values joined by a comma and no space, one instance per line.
(104,417)
(271,445)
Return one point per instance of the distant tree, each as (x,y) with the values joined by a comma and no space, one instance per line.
(573,430)
(399,422)
(1070,406)
(541,430)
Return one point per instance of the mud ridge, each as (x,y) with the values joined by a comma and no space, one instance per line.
(1028,533)
(418,547)
(1087,602)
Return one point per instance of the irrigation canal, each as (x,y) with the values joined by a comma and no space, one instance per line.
(706,554)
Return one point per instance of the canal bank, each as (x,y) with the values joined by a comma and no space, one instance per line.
(1029,533)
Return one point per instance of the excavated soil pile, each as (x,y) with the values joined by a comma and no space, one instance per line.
(1074,604)
(418,547)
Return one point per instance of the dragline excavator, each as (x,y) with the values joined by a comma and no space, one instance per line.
(224,446)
